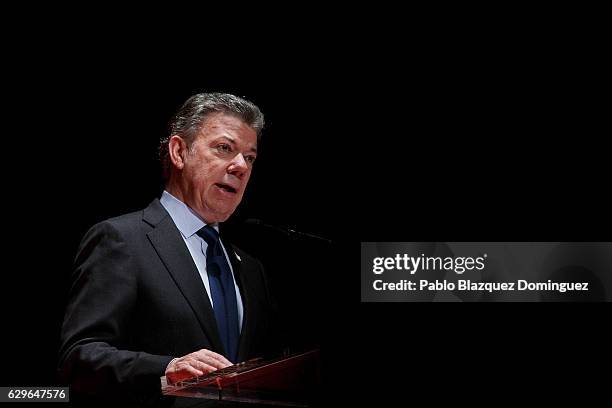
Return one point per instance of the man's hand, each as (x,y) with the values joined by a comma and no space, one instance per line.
(195,364)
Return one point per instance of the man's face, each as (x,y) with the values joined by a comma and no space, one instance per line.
(218,166)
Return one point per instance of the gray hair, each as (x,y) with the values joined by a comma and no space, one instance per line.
(191,116)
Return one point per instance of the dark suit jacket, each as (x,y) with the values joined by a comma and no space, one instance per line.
(137,301)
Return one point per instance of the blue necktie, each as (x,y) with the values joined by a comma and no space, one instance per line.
(223,292)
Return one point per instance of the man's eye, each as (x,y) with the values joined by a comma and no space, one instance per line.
(224,148)
(250,159)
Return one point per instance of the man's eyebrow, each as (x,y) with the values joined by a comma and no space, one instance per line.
(230,139)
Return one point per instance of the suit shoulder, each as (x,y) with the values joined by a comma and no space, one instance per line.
(135,221)
(122,226)
(117,224)
(125,220)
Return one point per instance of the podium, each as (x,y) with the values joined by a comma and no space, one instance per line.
(291,380)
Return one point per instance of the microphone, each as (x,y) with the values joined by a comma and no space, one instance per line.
(287,231)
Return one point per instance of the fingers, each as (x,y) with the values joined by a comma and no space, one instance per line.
(195,364)
(181,370)
(192,363)
(211,358)
(187,367)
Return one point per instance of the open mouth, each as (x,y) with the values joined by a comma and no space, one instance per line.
(227,188)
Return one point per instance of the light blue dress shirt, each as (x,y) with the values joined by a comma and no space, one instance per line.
(188,223)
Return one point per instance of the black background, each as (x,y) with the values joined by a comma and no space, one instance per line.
(456,137)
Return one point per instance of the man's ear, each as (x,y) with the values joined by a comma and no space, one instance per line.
(177,148)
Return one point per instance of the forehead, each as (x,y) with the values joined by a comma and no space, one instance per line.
(220,125)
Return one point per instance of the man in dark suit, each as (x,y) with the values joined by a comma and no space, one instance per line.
(158,292)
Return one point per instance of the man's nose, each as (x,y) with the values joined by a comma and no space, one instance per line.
(238,167)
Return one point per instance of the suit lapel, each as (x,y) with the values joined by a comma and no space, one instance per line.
(169,244)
